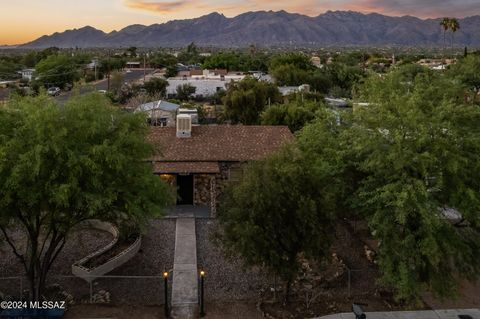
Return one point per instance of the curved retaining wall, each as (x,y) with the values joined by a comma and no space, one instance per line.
(90,274)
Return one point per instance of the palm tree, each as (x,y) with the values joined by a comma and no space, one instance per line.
(445,24)
(454,25)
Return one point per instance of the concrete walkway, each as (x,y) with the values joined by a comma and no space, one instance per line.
(185,272)
(186,211)
(424,314)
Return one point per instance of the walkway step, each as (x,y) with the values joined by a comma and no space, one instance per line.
(185,271)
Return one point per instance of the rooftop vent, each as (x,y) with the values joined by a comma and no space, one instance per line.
(192,112)
(184,125)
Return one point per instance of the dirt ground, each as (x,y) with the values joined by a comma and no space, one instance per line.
(469,297)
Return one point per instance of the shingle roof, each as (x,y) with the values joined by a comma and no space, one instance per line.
(220,143)
(186,167)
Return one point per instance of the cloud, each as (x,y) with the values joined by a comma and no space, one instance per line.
(157,6)
(420,8)
(425,8)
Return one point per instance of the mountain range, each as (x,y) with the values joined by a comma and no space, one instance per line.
(266,28)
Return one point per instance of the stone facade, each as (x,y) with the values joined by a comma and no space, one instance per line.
(208,188)
(201,186)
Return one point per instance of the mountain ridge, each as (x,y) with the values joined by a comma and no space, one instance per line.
(265,28)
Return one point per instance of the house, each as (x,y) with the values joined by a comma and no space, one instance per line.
(287,90)
(27,74)
(316,61)
(206,82)
(204,87)
(93,65)
(159,113)
(335,102)
(133,65)
(200,160)
(436,64)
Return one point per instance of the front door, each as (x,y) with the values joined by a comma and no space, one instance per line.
(185,189)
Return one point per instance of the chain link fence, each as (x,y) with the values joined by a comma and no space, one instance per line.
(125,290)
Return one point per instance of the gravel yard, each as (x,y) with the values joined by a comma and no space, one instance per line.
(226,280)
(157,253)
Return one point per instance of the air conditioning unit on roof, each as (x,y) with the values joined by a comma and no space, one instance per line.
(184,125)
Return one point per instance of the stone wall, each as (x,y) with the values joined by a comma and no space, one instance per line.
(208,188)
(201,185)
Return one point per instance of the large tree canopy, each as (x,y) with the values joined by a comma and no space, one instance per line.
(400,163)
(295,114)
(58,70)
(61,166)
(417,144)
(245,100)
(278,212)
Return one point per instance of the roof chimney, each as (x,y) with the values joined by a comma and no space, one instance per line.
(184,125)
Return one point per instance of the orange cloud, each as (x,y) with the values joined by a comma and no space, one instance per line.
(160,7)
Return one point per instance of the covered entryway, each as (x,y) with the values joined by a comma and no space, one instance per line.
(185,189)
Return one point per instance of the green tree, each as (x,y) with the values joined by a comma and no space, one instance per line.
(132,52)
(291,68)
(467,71)
(9,68)
(223,60)
(156,86)
(454,27)
(295,115)
(190,55)
(185,91)
(109,64)
(60,166)
(445,24)
(117,82)
(275,215)
(320,81)
(165,60)
(245,100)
(344,77)
(171,71)
(57,70)
(290,75)
(30,59)
(412,147)
(47,52)
(299,60)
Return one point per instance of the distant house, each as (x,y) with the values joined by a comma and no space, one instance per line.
(93,65)
(206,82)
(436,64)
(159,113)
(333,102)
(203,87)
(200,160)
(315,60)
(133,65)
(27,74)
(287,90)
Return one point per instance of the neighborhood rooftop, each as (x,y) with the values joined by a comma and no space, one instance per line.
(214,143)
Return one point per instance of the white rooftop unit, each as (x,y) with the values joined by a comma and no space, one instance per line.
(193,113)
(184,125)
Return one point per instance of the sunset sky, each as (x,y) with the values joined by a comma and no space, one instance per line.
(25,20)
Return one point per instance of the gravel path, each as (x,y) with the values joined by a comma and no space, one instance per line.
(226,280)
